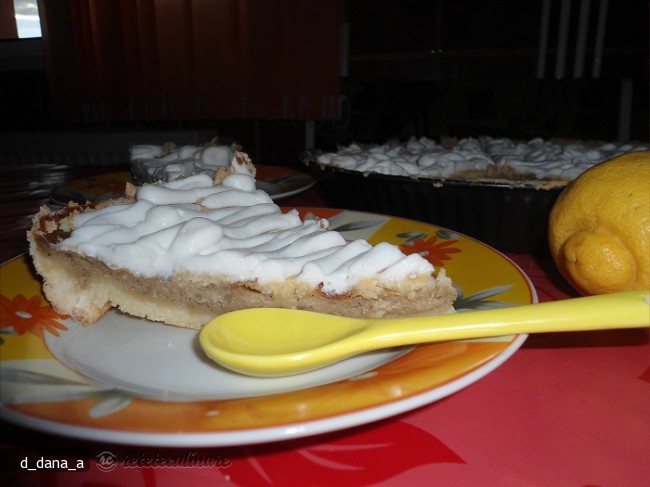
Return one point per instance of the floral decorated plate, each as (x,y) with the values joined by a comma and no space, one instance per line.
(131,381)
(279,182)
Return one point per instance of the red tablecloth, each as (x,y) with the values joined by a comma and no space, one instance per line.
(569,409)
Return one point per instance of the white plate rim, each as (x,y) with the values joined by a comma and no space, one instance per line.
(301,182)
(270,433)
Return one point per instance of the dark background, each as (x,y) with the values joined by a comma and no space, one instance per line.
(433,68)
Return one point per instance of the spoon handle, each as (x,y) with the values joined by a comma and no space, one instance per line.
(608,311)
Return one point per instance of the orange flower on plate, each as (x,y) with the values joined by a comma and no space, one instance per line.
(29,315)
(431,250)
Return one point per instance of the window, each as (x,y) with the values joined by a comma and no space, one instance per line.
(19,19)
(28,21)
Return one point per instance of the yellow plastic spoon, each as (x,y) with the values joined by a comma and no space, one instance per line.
(270,342)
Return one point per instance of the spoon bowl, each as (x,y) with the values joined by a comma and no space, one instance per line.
(272,342)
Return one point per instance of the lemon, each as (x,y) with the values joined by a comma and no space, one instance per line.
(599,227)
